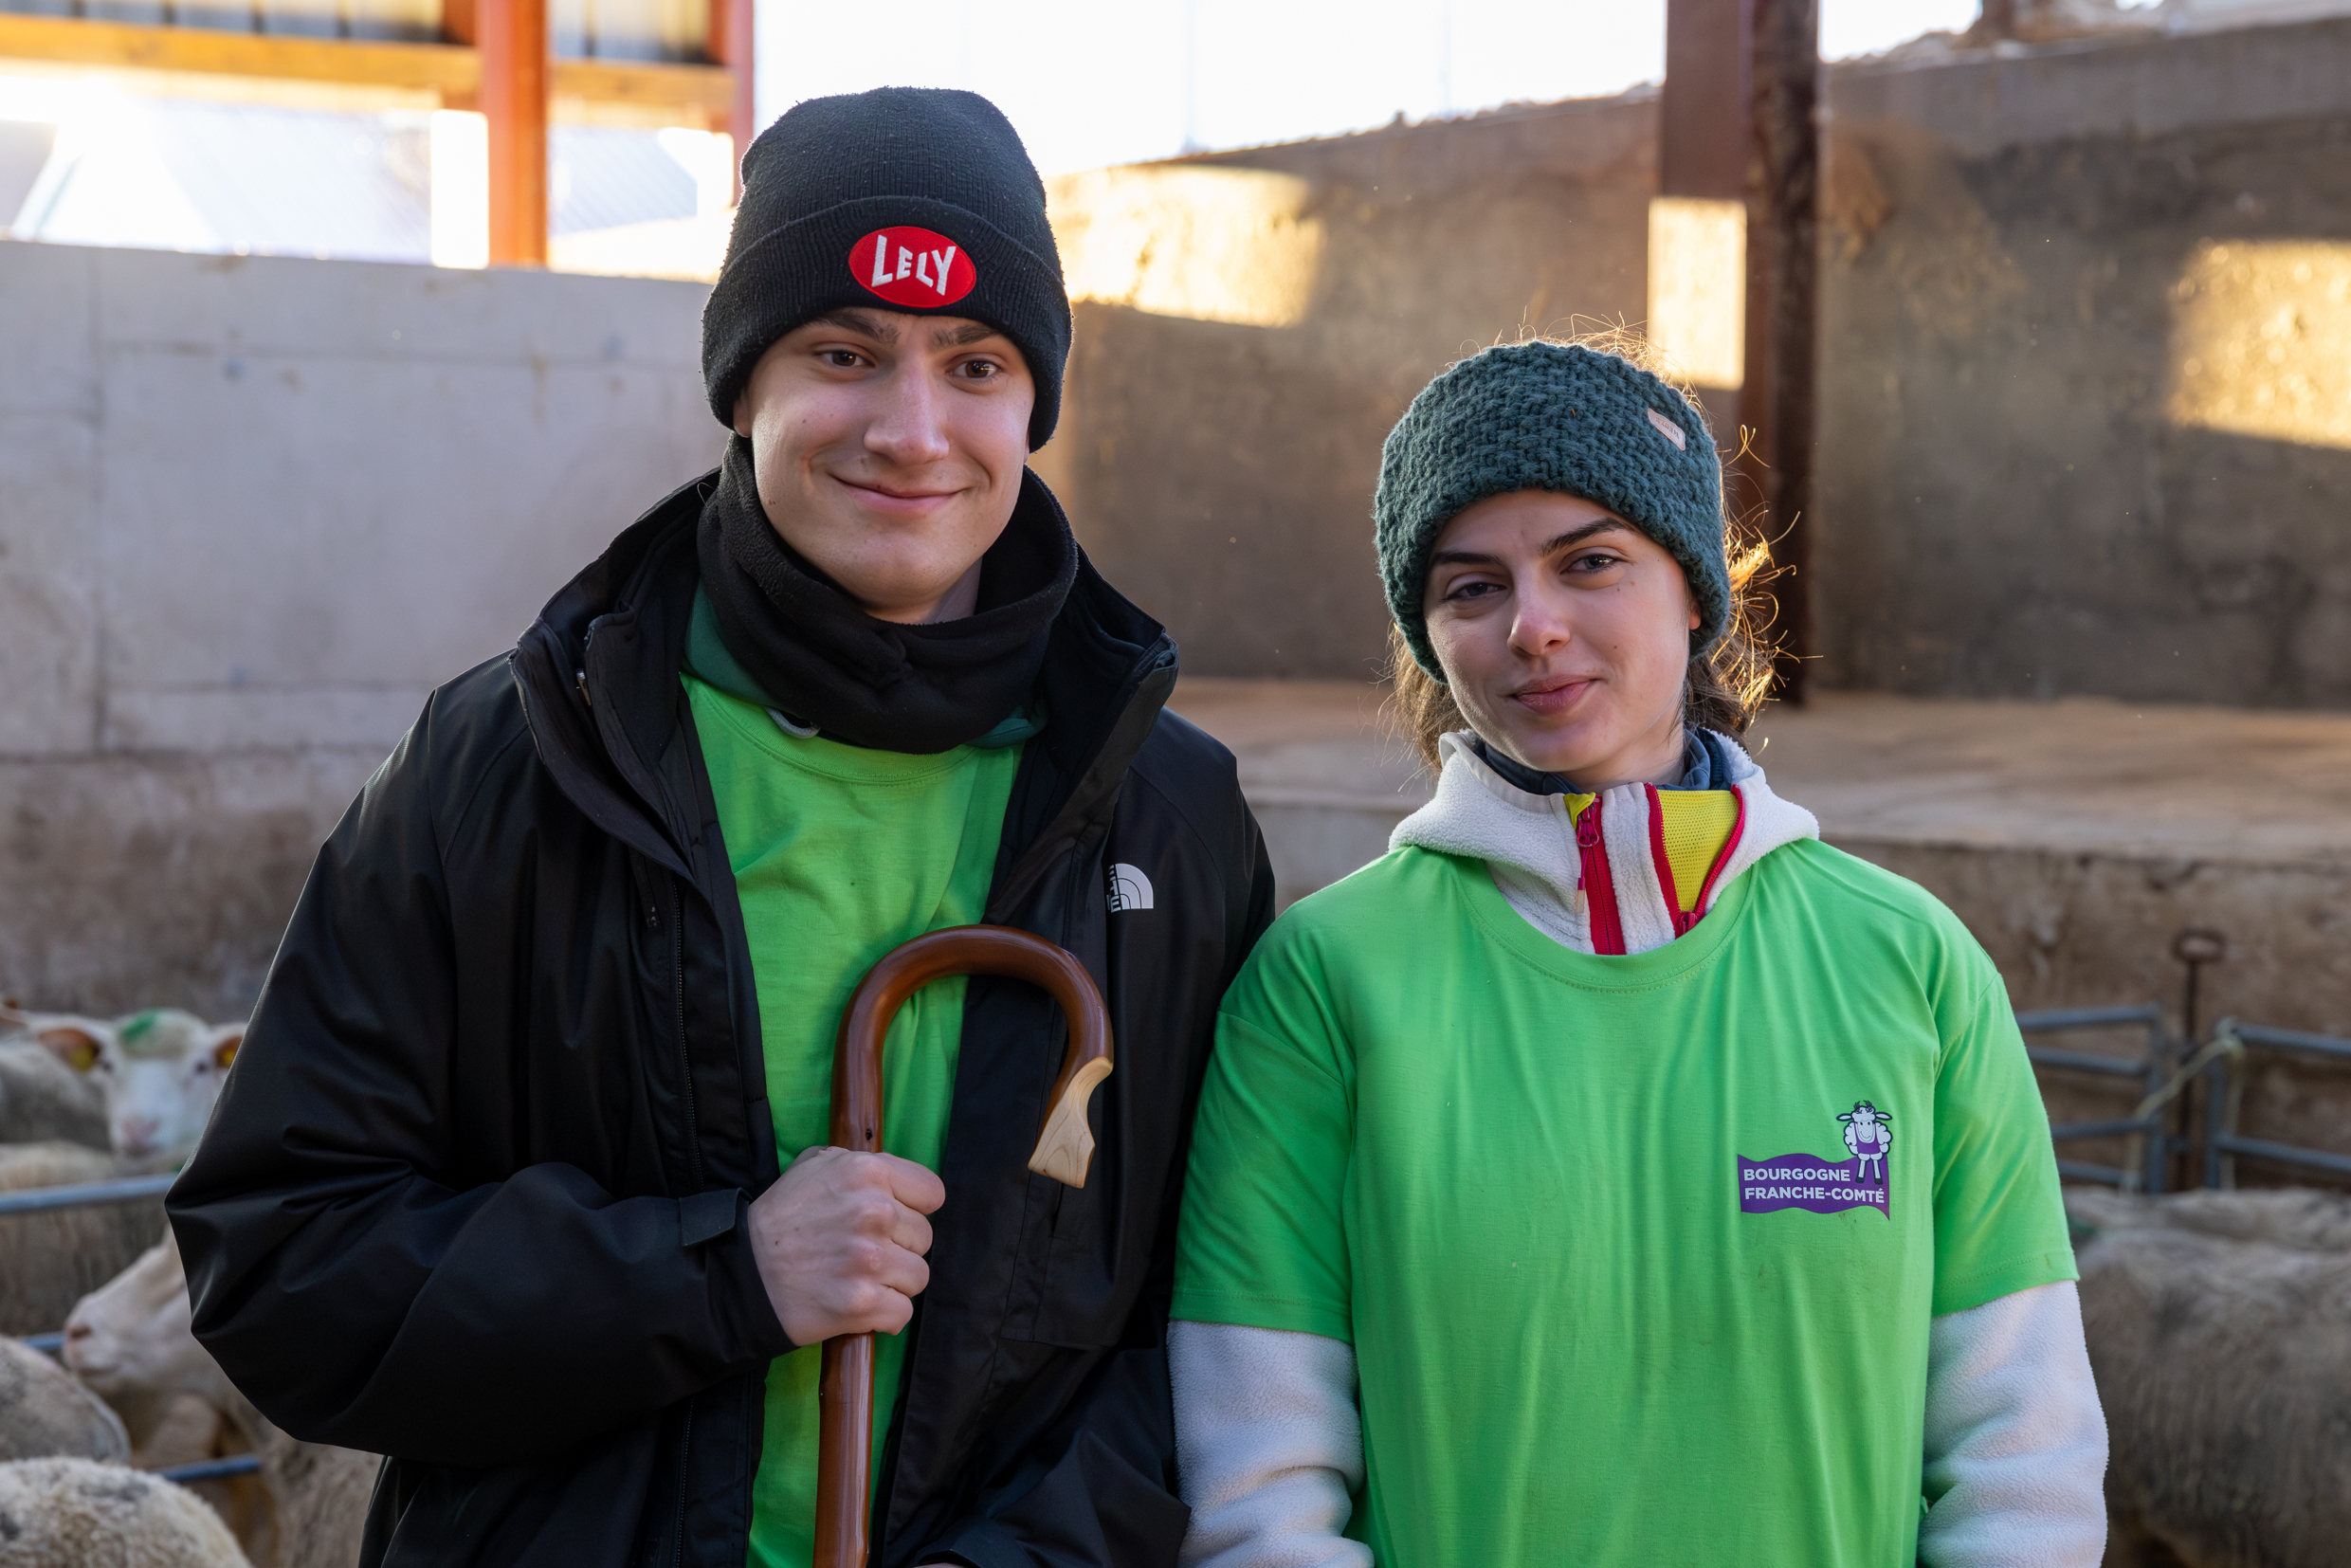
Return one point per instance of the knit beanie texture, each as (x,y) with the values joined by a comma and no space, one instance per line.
(916,199)
(1559,417)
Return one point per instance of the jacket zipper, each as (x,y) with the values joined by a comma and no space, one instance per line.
(1663,864)
(685,1055)
(694,1167)
(685,1451)
(1608,934)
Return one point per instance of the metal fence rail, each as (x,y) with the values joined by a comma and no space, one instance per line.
(2150,1070)
(84,1195)
(2229,1042)
(212,1469)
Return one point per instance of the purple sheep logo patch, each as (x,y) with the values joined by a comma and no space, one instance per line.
(1819,1186)
(1869,1132)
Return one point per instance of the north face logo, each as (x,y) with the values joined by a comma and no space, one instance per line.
(1130,889)
(913,266)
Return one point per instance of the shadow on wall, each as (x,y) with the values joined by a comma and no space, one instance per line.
(2087,416)
(1249,325)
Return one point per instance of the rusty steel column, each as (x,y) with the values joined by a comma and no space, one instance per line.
(731,45)
(1783,252)
(512,36)
(1739,122)
(1701,126)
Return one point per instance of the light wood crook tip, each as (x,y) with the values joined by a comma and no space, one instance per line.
(1065,1148)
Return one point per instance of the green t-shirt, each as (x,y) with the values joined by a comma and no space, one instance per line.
(840,854)
(1522,1183)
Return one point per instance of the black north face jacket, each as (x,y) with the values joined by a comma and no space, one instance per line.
(476,1194)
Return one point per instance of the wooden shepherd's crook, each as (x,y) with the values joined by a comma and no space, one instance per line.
(844,1397)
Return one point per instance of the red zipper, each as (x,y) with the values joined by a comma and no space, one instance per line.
(1721,858)
(1608,931)
(1683,920)
(1664,864)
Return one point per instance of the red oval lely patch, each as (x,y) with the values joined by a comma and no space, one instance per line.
(913,266)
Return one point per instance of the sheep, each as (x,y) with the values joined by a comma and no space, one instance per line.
(75,1513)
(134,1351)
(51,1260)
(42,1099)
(46,1413)
(2219,1328)
(158,1071)
(132,1342)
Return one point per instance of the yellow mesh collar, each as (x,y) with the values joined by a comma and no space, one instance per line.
(1698,824)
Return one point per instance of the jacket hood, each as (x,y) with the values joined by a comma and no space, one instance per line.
(1528,843)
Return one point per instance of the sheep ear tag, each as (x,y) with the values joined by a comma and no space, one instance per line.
(225,1047)
(77,1049)
(914,267)
(1821,1186)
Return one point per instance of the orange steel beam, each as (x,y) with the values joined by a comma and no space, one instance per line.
(70,40)
(512,37)
(705,92)
(453,70)
(731,45)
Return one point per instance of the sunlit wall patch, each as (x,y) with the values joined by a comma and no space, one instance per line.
(1240,246)
(1698,287)
(2261,340)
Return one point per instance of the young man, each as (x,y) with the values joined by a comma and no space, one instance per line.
(495,1190)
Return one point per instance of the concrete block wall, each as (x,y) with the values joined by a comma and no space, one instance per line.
(251,511)
(2086,389)
(1221,472)
(2032,481)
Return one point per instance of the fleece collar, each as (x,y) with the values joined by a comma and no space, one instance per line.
(1530,845)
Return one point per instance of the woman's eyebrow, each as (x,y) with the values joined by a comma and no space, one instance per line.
(1577,536)
(1572,537)
(1463,557)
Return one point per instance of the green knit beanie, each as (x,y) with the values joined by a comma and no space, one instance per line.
(1549,416)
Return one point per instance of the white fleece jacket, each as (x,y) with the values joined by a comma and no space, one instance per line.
(1268,1440)
(1528,844)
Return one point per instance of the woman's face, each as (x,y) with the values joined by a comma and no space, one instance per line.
(1565,633)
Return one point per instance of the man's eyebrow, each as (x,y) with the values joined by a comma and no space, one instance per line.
(1572,538)
(956,337)
(879,328)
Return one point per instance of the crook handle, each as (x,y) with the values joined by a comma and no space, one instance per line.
(1064,1152)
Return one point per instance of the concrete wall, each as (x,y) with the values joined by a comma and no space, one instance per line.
(250,512)
(2086,374)
(1220,472)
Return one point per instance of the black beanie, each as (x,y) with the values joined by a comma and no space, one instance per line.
(919,200)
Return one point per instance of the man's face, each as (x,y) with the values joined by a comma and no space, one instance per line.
(890,449)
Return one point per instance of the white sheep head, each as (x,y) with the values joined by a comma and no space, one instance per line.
(161,1072)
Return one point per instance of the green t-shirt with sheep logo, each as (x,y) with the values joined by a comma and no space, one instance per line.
(1637,1254)
(840,853)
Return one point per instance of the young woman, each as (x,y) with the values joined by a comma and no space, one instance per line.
(1615,1174)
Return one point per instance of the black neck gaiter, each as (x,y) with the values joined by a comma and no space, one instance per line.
(901,688)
